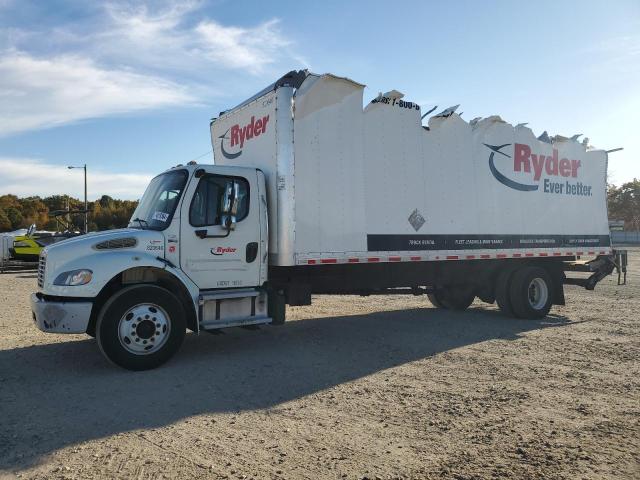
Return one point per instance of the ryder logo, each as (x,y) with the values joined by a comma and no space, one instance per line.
(537,166)
(237,135)
(222,250)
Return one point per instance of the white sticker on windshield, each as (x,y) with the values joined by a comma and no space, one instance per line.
(161,216)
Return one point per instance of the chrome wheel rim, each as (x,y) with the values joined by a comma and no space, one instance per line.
(144,329)
(538,293)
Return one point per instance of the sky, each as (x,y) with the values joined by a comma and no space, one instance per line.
(128,88)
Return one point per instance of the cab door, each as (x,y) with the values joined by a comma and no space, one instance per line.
(212,254)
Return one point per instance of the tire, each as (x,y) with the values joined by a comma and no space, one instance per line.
(435,299)
(452,298)
(276,307)
(140,327)
(503,294)
(531,293)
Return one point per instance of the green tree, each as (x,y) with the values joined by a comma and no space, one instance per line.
(5,223)
(624,204)
(15,217)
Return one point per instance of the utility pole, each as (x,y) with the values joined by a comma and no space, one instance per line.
(86,212)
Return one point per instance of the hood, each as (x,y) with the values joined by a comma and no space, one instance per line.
(104,253)
(130,238)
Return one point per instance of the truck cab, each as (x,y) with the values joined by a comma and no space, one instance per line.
(194,255)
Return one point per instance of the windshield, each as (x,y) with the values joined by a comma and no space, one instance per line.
(159,201)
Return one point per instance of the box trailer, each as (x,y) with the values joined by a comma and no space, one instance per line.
(310,193)
(375,183)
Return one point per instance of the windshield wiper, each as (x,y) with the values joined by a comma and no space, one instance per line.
(142,223)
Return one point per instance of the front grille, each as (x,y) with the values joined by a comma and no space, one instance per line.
(116,243)
(42,264)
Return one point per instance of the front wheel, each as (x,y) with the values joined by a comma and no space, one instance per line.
(140,327)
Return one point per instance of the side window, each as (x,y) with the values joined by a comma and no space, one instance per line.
(208,199)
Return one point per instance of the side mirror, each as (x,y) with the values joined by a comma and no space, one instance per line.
(31,230)
(230,205)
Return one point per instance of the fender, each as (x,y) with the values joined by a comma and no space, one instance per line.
(105,266)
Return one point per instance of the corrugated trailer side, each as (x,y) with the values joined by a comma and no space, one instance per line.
(377,185)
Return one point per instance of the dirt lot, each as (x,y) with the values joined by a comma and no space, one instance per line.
(381,387)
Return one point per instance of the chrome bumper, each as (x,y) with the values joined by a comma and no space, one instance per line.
(60,317)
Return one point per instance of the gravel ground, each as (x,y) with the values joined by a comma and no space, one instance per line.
(379,387)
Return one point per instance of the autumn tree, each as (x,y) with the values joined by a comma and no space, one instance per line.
(105,213)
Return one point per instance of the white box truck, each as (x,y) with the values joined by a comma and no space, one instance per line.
(310,193)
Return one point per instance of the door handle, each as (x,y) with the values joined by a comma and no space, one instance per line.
(205,234)
(252,251)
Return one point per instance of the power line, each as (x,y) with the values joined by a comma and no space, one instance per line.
(200,156)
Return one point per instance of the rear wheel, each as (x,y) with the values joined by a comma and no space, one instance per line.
(436,299)
(452,298)
(141,327)
(531,292)
(503,296)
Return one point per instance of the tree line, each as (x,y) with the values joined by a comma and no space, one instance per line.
(104,213)
(623,204)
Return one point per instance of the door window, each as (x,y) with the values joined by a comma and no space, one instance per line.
(208,199)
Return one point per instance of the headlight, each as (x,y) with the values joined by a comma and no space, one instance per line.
(74,278)
(21,244)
